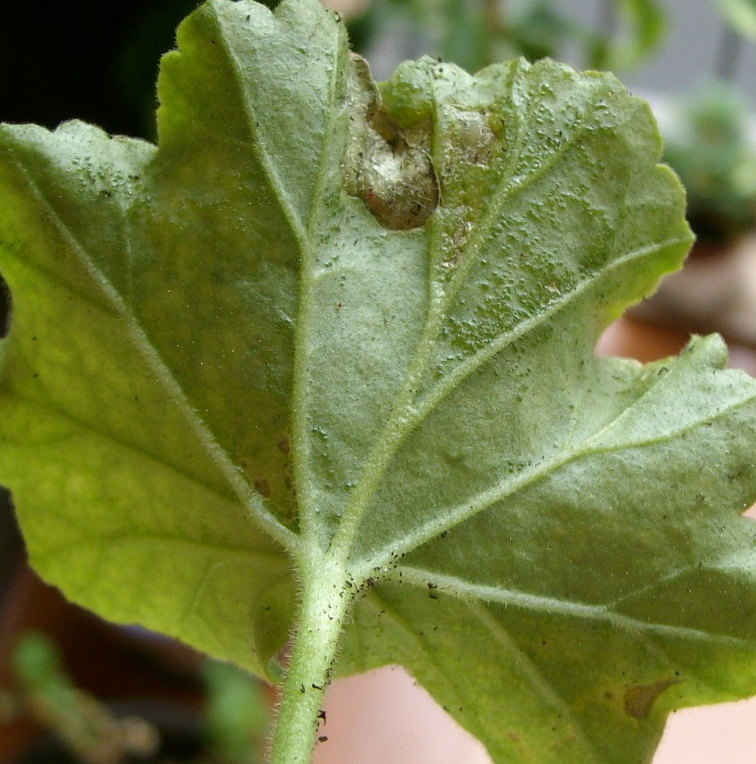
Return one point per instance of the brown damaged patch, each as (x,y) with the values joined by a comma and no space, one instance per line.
(386,167)
(262,486)
(640,698)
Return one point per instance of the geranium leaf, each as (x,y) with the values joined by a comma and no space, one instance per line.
(341,334)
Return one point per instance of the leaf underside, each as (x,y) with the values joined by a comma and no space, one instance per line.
(323,313)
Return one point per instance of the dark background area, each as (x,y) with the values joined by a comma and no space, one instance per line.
(85,59)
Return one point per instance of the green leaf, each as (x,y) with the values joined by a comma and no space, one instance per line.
(342,335)
(740,14)
(610,600)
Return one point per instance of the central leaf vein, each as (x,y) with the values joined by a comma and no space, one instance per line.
(410,416)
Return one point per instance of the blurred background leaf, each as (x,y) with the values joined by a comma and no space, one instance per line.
(629,32)
(708,144)
(741,14)
(230,727)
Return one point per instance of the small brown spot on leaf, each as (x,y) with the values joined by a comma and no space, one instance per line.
(283,445)
(640,698)
(262,487)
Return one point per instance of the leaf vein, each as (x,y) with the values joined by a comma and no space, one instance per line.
(162,539)
(535,676)
(453,516)
(169,382)
(303,333)
(434,396)
(279,191)
(466,590)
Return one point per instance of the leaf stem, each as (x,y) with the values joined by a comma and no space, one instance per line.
(324,601)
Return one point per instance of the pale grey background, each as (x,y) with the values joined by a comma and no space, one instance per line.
(687,56)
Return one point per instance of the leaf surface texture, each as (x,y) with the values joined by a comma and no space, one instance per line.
(326,314)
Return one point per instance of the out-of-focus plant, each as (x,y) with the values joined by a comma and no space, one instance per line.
(628,32)
(236,715)
(740,25)
(474,33)
(233,725)
(709,145)
(84,725)
(740,14)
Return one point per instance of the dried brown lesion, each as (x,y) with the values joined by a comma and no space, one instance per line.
(639,699)
(389,168)
(262,486)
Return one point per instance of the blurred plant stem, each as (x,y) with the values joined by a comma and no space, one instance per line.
(495,14)
(729,54)
(84,724)
(607,18)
